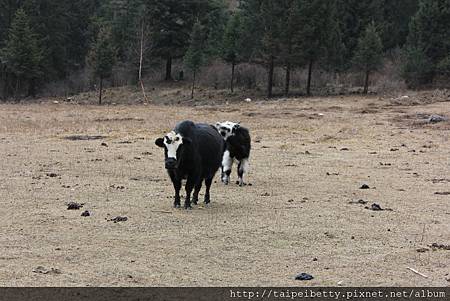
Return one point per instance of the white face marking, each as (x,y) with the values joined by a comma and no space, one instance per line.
(172,141)
(225,128)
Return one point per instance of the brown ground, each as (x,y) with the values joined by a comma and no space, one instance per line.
(294,218)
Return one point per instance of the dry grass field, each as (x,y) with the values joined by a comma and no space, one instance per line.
(301,214)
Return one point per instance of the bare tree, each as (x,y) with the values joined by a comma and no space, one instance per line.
(143,48)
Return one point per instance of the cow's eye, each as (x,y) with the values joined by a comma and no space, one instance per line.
(177,139)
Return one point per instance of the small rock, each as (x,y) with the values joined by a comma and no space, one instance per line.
(436,119)
(376,207)
(43,270)
(345,149)
(86,213)
(304,277)
(248,99)
(52,175)
(361,201)
(442,193)
(422,250)
(118,219)
(104,144)
(74,206)
(364,186)
(440,246)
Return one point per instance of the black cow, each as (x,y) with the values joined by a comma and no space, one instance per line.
(193,151)
(238,144)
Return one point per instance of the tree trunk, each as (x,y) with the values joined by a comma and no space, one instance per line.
(308,85)
(169,68)
(5,87)
(270,77)
(16,92)
(101,91)
(233,65)
(288,79)
(193,86)
(141,59)
(366,83)
(32,88)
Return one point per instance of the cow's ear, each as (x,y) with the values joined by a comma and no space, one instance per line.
(187,141)
(217,125)
(236,126)
(159,142)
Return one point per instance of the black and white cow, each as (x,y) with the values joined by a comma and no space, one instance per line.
(238,144)
(193,151)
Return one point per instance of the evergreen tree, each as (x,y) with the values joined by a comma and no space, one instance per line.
(63,31)
(261,20)
(354,16)
(171,24)
(215,23)
(317,24)
(428,46)
(195,55)
(233,45)
(418,69)
(368,55)
(289,58)
(22,55)
(102,58)
(395,26)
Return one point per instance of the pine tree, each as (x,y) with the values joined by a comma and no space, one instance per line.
(195,55)
(368,56)
(102,58)
(171,22)
(22,54)
(354,16)
(289,57)
(215,23)
(395,26)
(317,23)
(232,46)
(263,26)
(428,46)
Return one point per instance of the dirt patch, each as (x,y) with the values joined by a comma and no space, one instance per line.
(84,137)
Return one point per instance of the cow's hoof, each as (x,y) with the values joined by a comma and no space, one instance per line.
(188,207)
(176,205)
(195,202)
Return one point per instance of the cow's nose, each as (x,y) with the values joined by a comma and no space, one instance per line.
(171,163)
(223,134)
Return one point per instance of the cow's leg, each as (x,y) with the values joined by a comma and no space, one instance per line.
(177,187)
(227,163)
(197,188)
(208,182)
(189,187)
(242,169)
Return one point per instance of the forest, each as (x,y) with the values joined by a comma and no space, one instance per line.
(62,47)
